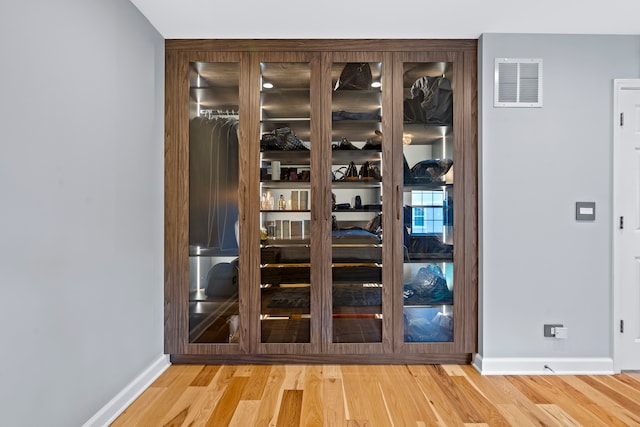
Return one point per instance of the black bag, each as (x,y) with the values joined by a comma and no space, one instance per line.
(375,225)
(430,170)
(355,76)
(375,142)
(436,100)
(413,111)
(428,287)
(222,279)
(283,138)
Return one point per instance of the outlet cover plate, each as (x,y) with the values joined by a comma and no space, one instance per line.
(548,330)
(585,211)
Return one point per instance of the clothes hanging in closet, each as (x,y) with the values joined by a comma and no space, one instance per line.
(213,184)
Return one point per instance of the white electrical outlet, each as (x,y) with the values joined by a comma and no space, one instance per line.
(562,333)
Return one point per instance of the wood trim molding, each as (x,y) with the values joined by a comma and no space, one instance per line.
(329,45)
(327,358)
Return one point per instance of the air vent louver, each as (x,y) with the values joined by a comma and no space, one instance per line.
(518,82)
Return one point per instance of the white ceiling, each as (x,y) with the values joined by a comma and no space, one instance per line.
(387,18)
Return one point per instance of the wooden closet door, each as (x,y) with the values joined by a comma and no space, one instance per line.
(432,166)
(286,304)
(205,287)
(358,261)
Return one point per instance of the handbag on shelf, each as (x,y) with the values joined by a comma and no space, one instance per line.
(375,142)
(355,76)
(369,171)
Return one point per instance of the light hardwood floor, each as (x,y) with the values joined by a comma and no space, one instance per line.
(374,395)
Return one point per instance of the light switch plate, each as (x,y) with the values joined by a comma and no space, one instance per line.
(585,211)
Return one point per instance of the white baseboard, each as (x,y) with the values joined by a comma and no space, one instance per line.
(543,365)
(122,400)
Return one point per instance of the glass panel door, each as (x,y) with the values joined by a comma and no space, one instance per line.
(356,164)
(427,200)
(213,202)
(285,187)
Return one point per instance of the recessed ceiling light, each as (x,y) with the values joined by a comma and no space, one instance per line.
(376,84)
(267,85)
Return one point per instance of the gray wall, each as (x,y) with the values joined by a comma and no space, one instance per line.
(538,265)
(81,206)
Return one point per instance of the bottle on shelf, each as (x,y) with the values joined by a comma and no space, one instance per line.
(282,205)
(267,201)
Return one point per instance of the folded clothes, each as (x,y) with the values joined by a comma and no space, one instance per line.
(348,115)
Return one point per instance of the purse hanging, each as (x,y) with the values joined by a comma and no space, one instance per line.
(355,76)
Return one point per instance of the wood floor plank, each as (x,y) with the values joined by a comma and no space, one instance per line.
(531,386)
(583,402)
(268,409)
(522,402)
(441,406)
(629,380)
(454,370)
(245,414)
(557,413)
(515,416)
(485,408)
(615,383)
(202,409)
(467,412)
(258,377)
(312,402)
(136,410)
(604,401)
(294,377)
(290,408)
(245,370)
(604,415)
(186,374)
(205,376)
(188,402)
(333,401)
(615,395)
(485,387)
(635,375)
(570,401)
(170,374)
(406,404)
(364,400)
(228,403)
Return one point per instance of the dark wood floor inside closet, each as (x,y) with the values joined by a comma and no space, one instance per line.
(376,395)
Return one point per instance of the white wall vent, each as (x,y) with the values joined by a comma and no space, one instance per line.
(518,82)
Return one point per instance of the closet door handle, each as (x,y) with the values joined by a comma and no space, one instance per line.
(244,208)
(324,204)
(398,204)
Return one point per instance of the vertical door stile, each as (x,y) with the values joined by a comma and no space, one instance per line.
(250,136)
(469,154)
(390,192)
(323,199)
(459,200)
(397,223)
(316,201)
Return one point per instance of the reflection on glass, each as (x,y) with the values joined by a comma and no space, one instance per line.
(213,202)
(357,202)
(285,226)
(428,202)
